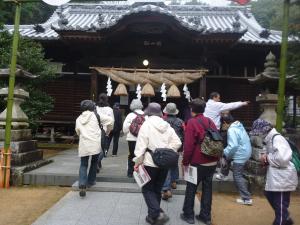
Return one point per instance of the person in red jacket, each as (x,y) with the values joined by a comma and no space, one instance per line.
(206,165)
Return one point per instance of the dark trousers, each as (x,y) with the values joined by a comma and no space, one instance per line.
(85,179)
(114,135)
(152,190)
(105,142)
(204,175)
(130,165)
(280,202)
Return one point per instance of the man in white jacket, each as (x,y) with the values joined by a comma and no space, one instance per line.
(154,133)
(214,108)
(281,176)
(89,132)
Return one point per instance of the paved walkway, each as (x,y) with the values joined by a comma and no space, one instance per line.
(108,208)
(65,166)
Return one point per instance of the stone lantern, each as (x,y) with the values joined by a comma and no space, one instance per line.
(267,99)
(25,155)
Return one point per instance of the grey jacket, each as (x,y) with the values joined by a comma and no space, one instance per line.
(281,172)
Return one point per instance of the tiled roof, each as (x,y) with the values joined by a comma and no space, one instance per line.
(91,17)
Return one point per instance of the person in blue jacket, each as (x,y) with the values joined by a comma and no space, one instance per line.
(238,150)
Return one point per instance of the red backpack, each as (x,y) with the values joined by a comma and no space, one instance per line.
(136,124)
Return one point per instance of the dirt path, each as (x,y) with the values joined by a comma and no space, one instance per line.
(227,212)
(22,206)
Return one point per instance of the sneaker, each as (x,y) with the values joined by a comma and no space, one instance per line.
(163,217)
(244,201)
(202,220)
(221,177)
(82,191)
(160,220)
(150,220)
(166,195)
(89,185)
(173,185)
(105,153)
(186,219)
(113,155)
(289,221)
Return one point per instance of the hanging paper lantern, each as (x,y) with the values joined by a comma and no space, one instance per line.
(186,92)
(173,92)
(163,92)
(148,90)
(109,87)
(121,90)
(138,92)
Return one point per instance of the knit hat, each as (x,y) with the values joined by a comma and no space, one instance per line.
(136,104)
(87,105)
(153,109)
(260,127)
(171,109)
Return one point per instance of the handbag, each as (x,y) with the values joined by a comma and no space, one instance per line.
(164,158)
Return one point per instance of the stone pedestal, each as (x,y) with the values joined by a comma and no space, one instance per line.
(268,104)
(25,156)
(255,172)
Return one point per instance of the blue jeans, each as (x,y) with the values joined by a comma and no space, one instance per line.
(173,175)
(85,179)
(240,183)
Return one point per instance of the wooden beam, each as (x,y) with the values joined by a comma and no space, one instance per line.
(202,87)
(152,70)
(94,85)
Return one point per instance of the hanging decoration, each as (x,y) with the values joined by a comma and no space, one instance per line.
(109,87)
(186,92)
(163,92)
(138,92)
(121,90)
(173,92)
(148,90)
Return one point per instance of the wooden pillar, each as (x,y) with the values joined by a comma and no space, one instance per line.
(202,87)
(94,85)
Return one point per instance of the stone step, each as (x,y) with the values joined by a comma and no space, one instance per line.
(70,179)
(123,187)
(218,186)
(33,178)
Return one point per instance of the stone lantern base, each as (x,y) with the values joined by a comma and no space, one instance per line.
(25,156)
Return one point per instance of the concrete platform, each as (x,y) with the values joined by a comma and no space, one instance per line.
(109,208)
(64,169)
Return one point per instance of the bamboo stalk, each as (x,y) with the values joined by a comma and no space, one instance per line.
(1,170)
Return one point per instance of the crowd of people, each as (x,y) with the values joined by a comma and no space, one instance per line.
(153,128)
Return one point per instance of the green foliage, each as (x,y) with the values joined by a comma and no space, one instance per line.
(36,106)
(32,13)
(31,58)
(269,14)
